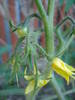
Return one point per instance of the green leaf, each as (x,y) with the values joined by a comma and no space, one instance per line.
(14,29)
(12,91)
(10,23)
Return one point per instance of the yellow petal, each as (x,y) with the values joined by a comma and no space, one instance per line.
(25,71)
(60,72)
(28,77)
(30,87)
(62,69)
(70,67)
(59,64)
(35,70)
(67,79)
(42,83)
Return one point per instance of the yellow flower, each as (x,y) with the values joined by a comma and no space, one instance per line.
(63,69)
(31,85)
(21,32)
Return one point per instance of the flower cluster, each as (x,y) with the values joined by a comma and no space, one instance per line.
(61,68)
(31,78)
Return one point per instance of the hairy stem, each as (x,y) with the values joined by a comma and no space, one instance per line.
(48,6)
(49,37)
(48,27)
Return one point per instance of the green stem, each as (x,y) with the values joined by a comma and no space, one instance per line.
(42,51)
(20,91)
(57,88)
(67,43)
(49,36)
(41,9)
(59,36)
(55,96)
(48,27)
(30,97)
(48,6)
(60,41)
(64,20)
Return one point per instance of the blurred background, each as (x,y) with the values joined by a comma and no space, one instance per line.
(17,11)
